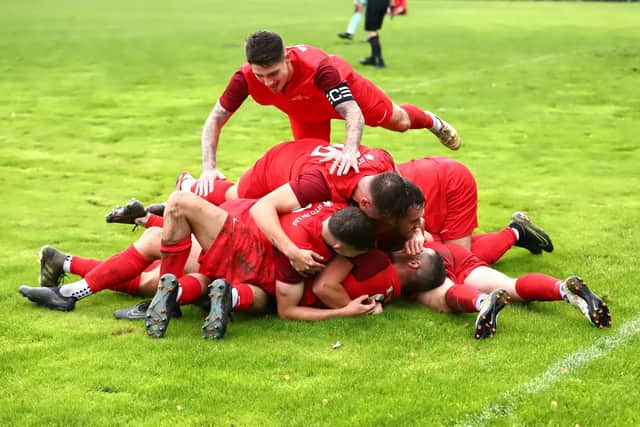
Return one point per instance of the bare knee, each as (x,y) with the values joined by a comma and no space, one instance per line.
(149,243)
(149,282)
(400,121)
(231,193)
(178,203)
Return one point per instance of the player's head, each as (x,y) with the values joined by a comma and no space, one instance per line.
(349,232)
(266,54)
(419,273)
(396,201)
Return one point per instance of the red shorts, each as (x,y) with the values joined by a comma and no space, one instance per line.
(451,196)
(458,260)
(376,105)
(240,254)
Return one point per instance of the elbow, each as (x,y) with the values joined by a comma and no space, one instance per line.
(320,287)
(284,314)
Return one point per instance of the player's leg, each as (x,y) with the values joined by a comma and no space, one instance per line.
(486,279)
(542,287)
(461,198)
(121,267)
(521,232)
(353,22)
(374,15)
(226,299)
(186,182)
(167,298)
(461,298)
(186,213)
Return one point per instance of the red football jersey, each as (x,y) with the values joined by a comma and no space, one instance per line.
(372,274)
(301,99)
(290,160)
(304,227)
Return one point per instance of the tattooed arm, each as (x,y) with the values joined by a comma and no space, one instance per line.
(209,140)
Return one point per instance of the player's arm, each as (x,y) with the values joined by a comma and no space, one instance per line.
(354,123)
(266,215)
(339,95)
(231,99)
(288,296)
(327,285)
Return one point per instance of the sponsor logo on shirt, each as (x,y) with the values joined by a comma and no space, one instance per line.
(307,212)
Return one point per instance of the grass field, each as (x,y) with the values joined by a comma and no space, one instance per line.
(102,101)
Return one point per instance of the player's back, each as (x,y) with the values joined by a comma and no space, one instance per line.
(290,159)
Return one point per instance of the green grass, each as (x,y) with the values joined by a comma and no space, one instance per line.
(102,101)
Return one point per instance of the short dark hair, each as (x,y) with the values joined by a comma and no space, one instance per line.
(351,226)
(264,48)
(393,196)
(430,275)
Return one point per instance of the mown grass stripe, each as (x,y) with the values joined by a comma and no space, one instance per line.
(508,400)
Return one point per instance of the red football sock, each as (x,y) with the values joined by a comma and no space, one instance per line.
(191,289)
(538,287)
(128,287)
(154,221)
(419,119)
(81,266)
(490,247)
(245,297)
(220,187)
(119,268)
(462,298)
(174,256)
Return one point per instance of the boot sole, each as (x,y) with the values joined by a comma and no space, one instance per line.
(598,311)
(215,324)
(487,322)
(157,316)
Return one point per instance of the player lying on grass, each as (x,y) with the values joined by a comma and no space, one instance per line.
(472,286)
(305,179)
(312,88)
(414,278)
(448,187)
(449,278)
(233,249)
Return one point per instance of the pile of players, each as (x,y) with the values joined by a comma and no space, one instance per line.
(319,230)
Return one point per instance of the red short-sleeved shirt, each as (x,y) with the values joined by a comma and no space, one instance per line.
(304,228)
(372,274)
(303,98)
(291,161)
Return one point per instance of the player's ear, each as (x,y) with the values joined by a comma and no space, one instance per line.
(414,263)
(364,203)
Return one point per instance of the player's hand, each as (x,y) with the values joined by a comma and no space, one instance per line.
(377,309)
(415,244)
(361,305)
(343,161)
(207,180)
(306,262)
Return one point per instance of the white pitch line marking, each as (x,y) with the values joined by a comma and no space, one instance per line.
(599,348)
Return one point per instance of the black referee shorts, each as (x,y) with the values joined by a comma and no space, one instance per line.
(374,14)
